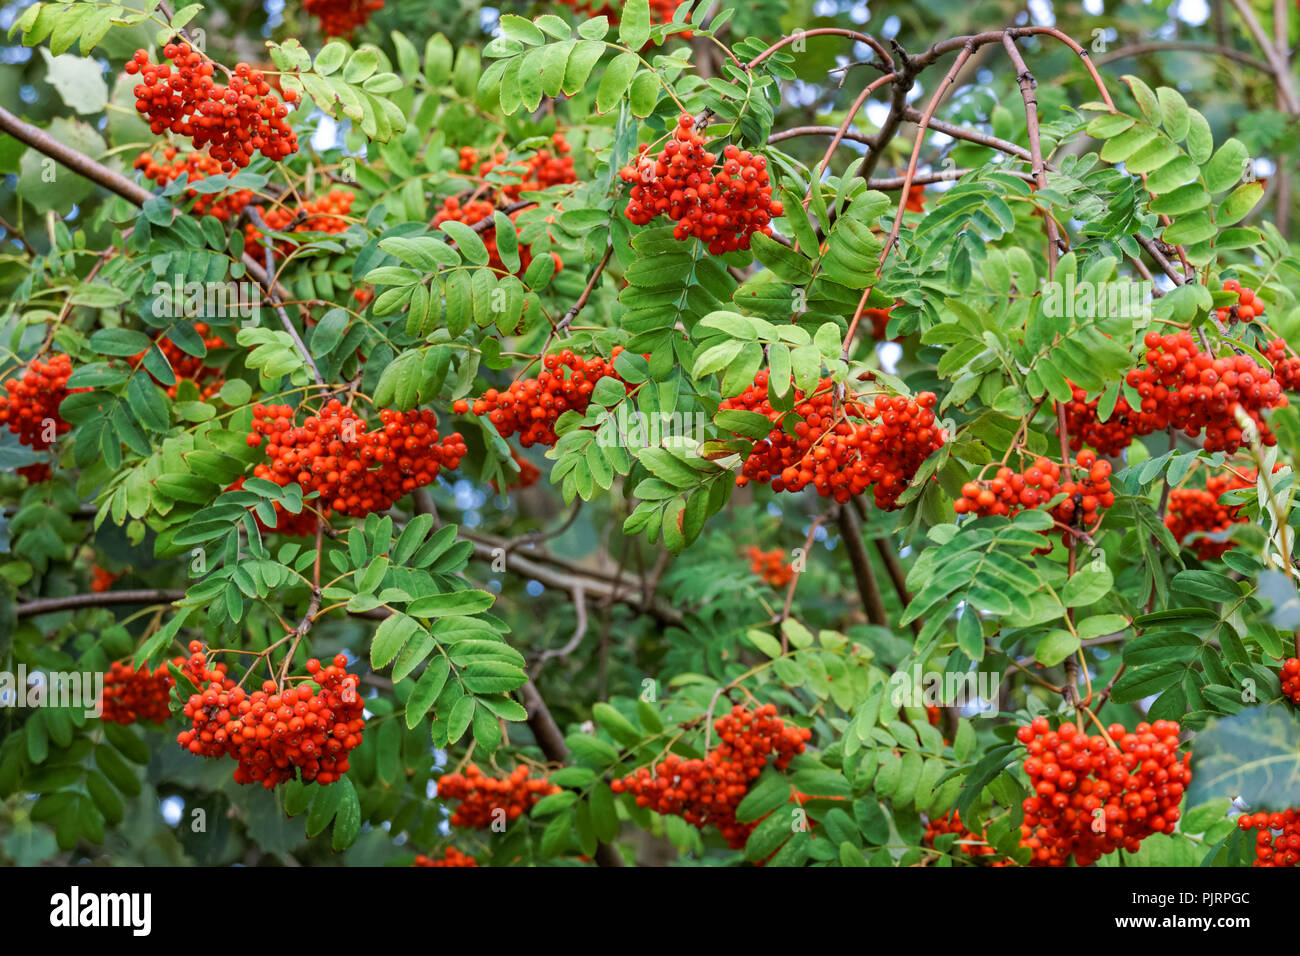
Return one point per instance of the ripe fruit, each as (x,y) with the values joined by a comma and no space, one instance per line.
(971,844)
(31,407)
(185,366)
(1286,365)
(453,857)
(1290,675)
(722,208)
(704,792)
(323,214)
(841,450)
(131,695)
(475,211)
(481,796)
(1192,510)
(771,566)
(531,408)
(1248,307)
(356,472)
(1091,797)
(222,206)
(1278,841)
(540,171)
(1086,492)
(101,580)
(1185,389)
(232,122)
(339,18)
(276,734)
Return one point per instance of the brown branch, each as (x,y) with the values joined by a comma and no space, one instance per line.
(1213,49)
(569,316)
(868,590)
(550,739)
(71,602)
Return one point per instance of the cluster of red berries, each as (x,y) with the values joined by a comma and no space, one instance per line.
(841,451)
(1092,797)
(915,198)
(101,580)
(276,735)
(1185,389)
(879,322)
(338,18)
(453,857)
(482,798)
(232,122)
(475,211)
(323,214)
(975,846)
(30,406)
(1248,307)
(771,566)
(185,366)
(707,791)
(722,208)
(223,206)
(1010,491)
(1278,841)
(1192,509)
(540,171)
(1291,679)
(356,472)
(131,695)
(530,408)
(300,525)
(1286,365)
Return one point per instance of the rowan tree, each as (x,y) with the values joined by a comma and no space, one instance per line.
(607,435)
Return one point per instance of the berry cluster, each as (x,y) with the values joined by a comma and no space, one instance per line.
(915,198)
(530,408)
(131,695)
(481,796)
(453,857)
(232,122)
(1286,365)
(974,846)
(722,208)
(276,735)
(223,206)
(323,214)
(771,566)
(540,171)
(1010,491)
(1291,679)
(356,472)
(841,451)
(475,211)
(101,580)
(1193,510)
(1278,841)
(30,406)
(879,322)
(1182,388)
(707,791)
(1091,797)
(338,18)
(1247,308)
(186,366)
(300,525)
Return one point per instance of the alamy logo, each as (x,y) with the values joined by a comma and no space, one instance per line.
(975,693)
(211,300)
(84,689)
(1122,299)
(75,909)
